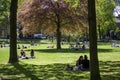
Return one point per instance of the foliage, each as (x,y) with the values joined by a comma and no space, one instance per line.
(74,3)
(104,13)
(20,1)
(38,14)
(117,33)
(4,10)
(4,7)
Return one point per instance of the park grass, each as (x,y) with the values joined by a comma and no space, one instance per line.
(4,55)
(49,63)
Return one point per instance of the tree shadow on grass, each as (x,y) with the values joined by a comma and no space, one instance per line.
(41,72)
(66,50)
(110,70)
(16,72)
(28,73)
(104,50)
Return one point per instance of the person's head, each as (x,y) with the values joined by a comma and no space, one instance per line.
(83,45)
(31,49)
(22,50)
(85,57)
(68,65)
(81,58)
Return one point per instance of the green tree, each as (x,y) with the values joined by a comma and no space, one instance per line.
(13,34)
(4,10)
(105,18)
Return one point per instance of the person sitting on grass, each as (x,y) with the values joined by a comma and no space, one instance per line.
(19,47)
(82,64)
(32,54)
(50,46)
(1,46)
(83,47)
(24,47)
(79,62)
(78,65)
(85,63)
(3,43)
(71,46)
(23,55)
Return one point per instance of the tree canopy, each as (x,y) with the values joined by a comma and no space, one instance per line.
(105,18)
(38,14)
(4,10)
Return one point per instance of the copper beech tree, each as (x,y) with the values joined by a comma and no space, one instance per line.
(51,16)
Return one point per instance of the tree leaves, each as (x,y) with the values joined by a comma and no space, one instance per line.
(42,14)
(104,11)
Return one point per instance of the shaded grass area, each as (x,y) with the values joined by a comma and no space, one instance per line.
(24,71)
(59,51)
(110,70)
(67,50)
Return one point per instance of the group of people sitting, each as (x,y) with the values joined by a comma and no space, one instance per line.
(2,44)
(21,47)
(50,46)
(115,44)
(77,47)
(23,55)
(81,64)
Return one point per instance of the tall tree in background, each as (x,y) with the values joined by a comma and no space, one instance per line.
(94,64)
(104,17)
(4,8)
(57,16)
(4,11)
(13,18)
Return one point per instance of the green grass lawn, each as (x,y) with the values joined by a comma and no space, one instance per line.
(49,63)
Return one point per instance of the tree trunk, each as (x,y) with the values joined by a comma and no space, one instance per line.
(99,32)
(94,64)
(58,23)
(58,36)
(13,34)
